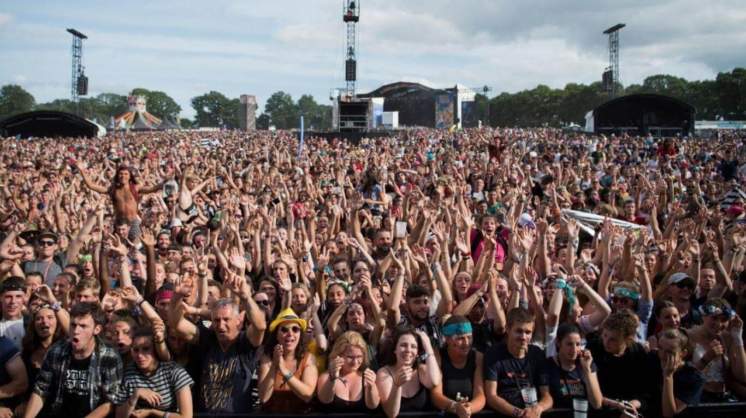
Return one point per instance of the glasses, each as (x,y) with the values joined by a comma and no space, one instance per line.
(262,302)
(46,243)
(287,330)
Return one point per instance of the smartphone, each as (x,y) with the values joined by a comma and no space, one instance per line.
(401,230)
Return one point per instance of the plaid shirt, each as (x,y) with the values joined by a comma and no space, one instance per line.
(105,372)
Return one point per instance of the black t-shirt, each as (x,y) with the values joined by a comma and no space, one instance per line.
(223,378)
(76,388)
(513,374)
(688,384)
(629,376)
(566,385)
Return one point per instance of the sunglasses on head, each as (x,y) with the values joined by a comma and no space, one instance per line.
(286,330)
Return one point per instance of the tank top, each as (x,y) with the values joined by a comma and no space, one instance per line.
(714,371)
(340,405)
(283,399)
(419,402)
(457,380)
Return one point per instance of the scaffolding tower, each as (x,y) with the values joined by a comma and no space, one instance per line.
(351,16)
(79,82)
(614,79)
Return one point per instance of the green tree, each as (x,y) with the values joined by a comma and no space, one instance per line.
(62,105)
(215,110)
(283,112)
(159,103)
(262,122)
(14,99)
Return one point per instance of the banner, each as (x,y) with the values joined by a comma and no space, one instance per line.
(444,105)
(587,221)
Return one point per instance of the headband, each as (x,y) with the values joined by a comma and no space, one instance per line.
(165,294)
(626,293)
(713,310)
(457,329)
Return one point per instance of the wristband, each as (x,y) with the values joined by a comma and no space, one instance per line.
(737,338)
(140,301)
(287,376)
(517,412)
(56,306)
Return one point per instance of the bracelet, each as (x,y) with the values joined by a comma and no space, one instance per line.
(56,307)
(286,377)
(517,412)
(140,301)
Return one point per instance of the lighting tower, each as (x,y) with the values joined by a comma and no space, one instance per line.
(351,15)
(79,83)
(613,33)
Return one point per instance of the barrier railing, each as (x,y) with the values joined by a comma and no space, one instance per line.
(710,410)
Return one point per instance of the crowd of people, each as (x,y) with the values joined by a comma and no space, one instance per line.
(508,270)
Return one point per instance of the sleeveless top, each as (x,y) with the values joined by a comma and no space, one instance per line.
(714,371)
(283,399)
(457,380)
(419,402)
(340,405)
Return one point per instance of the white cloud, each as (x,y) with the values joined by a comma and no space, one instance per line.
(186,48)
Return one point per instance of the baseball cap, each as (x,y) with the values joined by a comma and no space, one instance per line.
(679,278)
(47,234)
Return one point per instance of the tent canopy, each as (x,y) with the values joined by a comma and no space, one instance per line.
(47,123)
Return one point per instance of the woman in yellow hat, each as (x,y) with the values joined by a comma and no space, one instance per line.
(287,372)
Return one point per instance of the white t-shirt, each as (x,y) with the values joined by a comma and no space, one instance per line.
(13,330)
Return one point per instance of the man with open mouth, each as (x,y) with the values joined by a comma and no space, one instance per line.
(80,376)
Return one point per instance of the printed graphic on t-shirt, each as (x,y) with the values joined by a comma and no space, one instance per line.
(76,382)
(217,383)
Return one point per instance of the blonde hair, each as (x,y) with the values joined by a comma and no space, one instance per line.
(350,338)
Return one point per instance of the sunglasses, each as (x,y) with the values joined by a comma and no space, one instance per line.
(46,243)
(262,302)
(682,285)
(286,330)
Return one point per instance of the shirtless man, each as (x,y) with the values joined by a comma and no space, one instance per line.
(125,194)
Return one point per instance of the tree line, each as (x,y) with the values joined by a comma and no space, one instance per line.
(721,98)
(212,109)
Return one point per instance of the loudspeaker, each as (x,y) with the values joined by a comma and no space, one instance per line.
(607,79)
(82,85)
(350,70)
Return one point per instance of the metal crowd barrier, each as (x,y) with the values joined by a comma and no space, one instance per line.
(710,410)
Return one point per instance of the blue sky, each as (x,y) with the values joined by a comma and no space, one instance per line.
(187,48)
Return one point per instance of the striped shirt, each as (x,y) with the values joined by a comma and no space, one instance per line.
(167,380)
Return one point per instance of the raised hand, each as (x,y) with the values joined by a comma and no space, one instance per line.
(403,375)
(335,367)
(586,359)
(369,378)
(147,239)
(237,260)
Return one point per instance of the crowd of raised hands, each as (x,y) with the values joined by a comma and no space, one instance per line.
(163,274)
